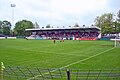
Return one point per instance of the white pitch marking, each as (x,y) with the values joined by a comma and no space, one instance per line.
(87,58)
(76,62)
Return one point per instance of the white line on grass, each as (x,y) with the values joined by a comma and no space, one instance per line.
(87,58)
(75,62)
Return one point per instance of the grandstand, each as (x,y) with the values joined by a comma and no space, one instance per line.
(76,33)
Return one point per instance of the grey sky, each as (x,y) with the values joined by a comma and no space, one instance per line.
(57,12)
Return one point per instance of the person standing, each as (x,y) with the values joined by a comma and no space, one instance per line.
(54,40)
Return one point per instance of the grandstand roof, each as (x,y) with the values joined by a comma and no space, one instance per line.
(63,28)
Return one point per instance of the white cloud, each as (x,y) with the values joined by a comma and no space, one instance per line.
(77,6)
(57,12)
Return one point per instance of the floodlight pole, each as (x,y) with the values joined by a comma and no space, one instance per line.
(12,6)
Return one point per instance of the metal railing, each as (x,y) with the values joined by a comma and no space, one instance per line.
(27,73)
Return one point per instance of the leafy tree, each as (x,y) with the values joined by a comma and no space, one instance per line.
(118,15)
(105,22)
(48,26)
(118,22)
(76,25)
(6,26)
(0,27)
(0,24)
(36,25)
(118,27)
(20,27)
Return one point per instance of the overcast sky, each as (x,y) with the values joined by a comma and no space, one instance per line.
(57,12)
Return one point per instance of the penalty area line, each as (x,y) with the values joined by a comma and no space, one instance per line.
(76,62)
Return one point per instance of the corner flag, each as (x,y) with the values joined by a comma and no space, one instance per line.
(2,66)
(2,70)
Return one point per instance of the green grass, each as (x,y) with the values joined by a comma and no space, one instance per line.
(68,54)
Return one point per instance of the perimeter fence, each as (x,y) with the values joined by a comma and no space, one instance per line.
(30,73)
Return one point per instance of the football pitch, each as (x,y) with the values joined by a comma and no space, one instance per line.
(67,54)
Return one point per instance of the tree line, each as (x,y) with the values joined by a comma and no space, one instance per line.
(19,28)
(107,22)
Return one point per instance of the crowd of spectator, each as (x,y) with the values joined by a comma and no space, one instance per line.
(1,35)
(58,34)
